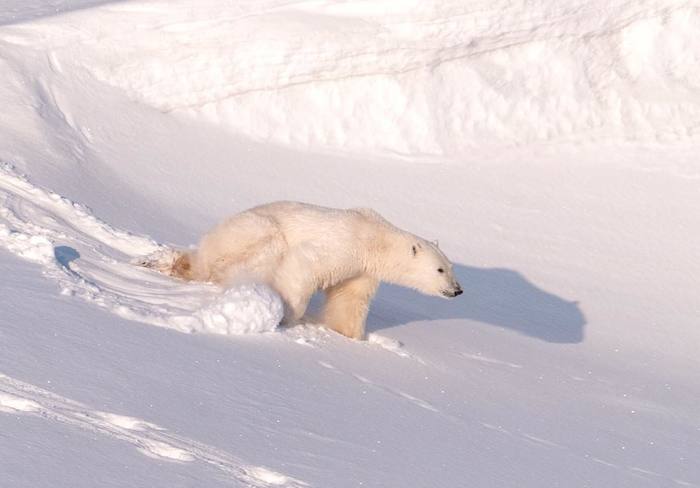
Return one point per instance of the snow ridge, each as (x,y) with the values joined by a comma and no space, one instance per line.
(435,79)
(91,260)
(152,440)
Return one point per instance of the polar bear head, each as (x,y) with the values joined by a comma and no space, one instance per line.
(428,270)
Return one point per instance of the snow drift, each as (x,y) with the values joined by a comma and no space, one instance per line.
(93,261)
(409,78)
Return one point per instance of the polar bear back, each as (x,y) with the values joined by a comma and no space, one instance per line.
(322,227)
(329,243)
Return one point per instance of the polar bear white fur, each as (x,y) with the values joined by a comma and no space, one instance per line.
(299,249)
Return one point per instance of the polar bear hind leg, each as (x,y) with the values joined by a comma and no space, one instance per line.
(347,304)
(246,247)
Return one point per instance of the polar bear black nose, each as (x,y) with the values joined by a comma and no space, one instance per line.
(457,290)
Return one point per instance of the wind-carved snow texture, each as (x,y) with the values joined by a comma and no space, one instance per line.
(93,261)
(18,397)
(434,79)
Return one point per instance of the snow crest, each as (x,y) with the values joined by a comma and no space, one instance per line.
(430,78)
(242,309)
(93,261)
(154,441)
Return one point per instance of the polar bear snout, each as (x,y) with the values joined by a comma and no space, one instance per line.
(455,291)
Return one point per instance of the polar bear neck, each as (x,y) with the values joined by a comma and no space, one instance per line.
(387,251)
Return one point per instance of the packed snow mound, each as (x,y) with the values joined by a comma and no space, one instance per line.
(413,78)
(91,260)
(242,309)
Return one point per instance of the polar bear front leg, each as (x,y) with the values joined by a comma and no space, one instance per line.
(347,304)
(295,305)
(294,284)
(296,296)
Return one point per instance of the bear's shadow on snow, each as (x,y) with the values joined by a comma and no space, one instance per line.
(495,296)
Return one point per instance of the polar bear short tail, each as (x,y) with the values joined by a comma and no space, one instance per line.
(171,262)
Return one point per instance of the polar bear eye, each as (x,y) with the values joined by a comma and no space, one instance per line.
(440,270)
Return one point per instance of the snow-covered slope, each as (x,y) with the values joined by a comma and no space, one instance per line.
(563,180)
(101,265)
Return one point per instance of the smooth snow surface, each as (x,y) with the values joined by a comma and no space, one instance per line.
(551,147)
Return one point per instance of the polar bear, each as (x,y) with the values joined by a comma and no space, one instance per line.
(299,249)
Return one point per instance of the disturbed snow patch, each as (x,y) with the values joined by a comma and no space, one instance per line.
(241,310)
(18,397)
(91,260)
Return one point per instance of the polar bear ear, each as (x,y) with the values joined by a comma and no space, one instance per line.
(415,248)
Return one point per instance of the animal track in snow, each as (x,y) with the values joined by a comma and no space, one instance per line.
(414,400)
(547,444)
(10,403)
(18,397)
(371,384)
(91,260)
(128,423)
(391,345)
(309,334)
(162,450)
(486,359)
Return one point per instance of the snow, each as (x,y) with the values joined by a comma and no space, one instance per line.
(550,147)
(41,226)
(405,78)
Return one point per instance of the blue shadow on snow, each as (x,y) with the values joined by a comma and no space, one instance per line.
(495,296)
(65,255)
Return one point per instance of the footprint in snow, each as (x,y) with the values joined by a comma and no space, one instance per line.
(18,397)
